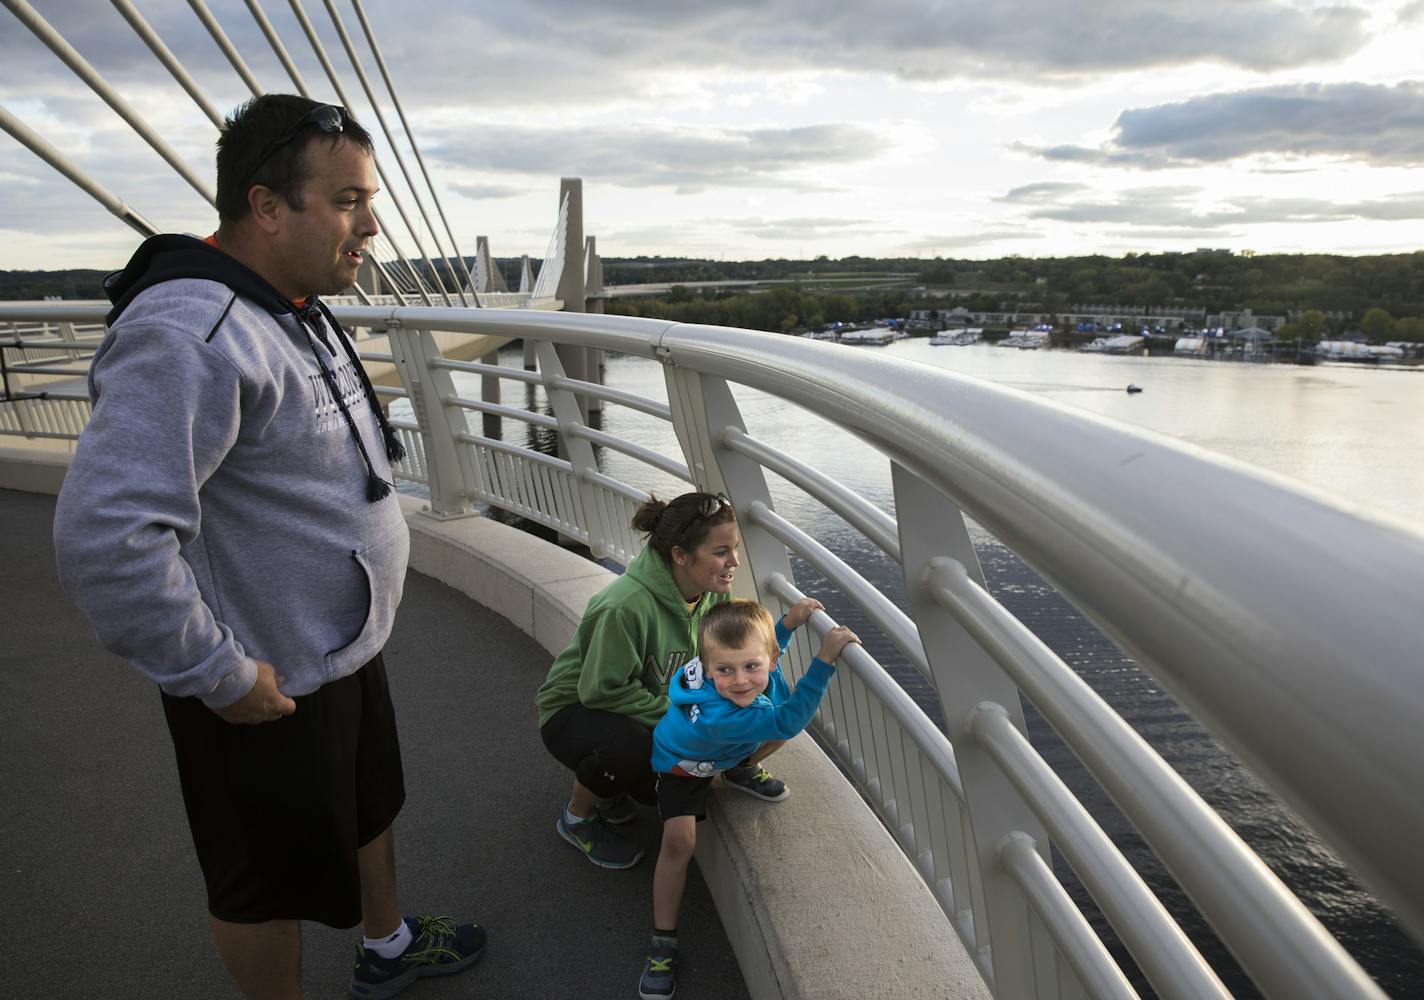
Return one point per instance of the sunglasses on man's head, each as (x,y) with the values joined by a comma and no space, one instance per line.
(327,117)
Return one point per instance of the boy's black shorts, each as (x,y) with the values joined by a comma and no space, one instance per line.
(278,810)
(680,795)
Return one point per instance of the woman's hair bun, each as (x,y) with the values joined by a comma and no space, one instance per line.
(648,514)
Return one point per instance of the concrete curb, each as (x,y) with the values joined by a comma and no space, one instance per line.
(817,899)
(33,470)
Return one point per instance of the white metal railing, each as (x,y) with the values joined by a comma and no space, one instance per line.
(1210,574)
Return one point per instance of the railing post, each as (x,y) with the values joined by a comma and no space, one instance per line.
(593,303)
(578,450)
(574,359)
(447,462)
(965,676)
(702,410)
(489,392)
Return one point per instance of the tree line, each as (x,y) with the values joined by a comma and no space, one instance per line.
(1381,296)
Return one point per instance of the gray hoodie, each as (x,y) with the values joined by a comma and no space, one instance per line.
(217,508)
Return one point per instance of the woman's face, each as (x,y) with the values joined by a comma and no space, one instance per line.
(709,567)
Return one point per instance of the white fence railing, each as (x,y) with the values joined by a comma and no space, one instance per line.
(1213,576)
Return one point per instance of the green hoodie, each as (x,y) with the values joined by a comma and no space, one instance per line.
(635,634)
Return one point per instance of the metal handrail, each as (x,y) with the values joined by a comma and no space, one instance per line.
(1170,962)
(645,455)
(925,734)
(891,620)
(1224,878)
(1213,608)
(859,512)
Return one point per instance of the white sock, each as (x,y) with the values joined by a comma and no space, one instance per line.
(570,819)
(390,947)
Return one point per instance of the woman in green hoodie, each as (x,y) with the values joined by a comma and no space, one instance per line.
(608,689)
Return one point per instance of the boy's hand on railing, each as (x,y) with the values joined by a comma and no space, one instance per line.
(836,640)
(264,703)
(800,612)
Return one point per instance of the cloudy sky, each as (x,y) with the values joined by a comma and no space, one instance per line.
(784,128)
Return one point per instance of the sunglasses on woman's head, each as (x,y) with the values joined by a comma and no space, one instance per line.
(712,503)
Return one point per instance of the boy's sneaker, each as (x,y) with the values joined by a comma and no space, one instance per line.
(659,979)
(618,811)
(756,780)
(437,948)
(599,843)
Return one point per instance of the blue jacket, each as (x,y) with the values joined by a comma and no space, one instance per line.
(703,733)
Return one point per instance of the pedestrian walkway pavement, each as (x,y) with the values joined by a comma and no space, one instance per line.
(100,892)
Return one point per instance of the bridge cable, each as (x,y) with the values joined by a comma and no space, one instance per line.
(365,82)
(410,136)
(260,16)
(310,30)
(46,33)
(225,44)
(58,161)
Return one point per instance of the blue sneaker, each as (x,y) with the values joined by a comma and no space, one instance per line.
(599,843)
(659,978)
(437,948)
(756,781)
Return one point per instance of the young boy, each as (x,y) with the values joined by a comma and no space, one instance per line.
(744,713)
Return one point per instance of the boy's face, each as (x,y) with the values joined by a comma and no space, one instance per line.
(739,674)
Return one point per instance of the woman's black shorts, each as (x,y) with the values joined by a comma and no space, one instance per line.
(610,754)
(279,809)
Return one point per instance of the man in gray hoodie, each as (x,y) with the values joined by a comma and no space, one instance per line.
(228,527)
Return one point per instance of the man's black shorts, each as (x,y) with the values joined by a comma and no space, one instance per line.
(680,795)
(279,809)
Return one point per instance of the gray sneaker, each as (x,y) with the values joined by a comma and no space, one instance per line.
(599,843)
(659,978)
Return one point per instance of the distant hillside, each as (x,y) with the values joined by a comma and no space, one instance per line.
(75,284)
(1214,280)
(1344,290)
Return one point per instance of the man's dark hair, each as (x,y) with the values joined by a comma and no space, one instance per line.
(248,135)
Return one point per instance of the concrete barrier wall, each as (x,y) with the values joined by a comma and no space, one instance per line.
(818,901)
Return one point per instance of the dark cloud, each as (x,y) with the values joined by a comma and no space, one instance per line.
(1162,210)
(1369,123)
(687,160)
(484,192)
(104,38)
(546,52)
(1044,191)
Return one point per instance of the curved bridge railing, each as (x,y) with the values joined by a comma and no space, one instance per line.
(1214,576)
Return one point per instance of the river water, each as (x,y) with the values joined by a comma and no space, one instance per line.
(1355,433)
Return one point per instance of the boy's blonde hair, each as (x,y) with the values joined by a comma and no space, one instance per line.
(737,623)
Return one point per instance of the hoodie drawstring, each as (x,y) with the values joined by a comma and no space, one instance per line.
(395,451)
(376,487)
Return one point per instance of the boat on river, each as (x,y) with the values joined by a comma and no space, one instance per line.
(957,338)
(1350,350)
(875,336)
(1026,340)
(1122,343)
